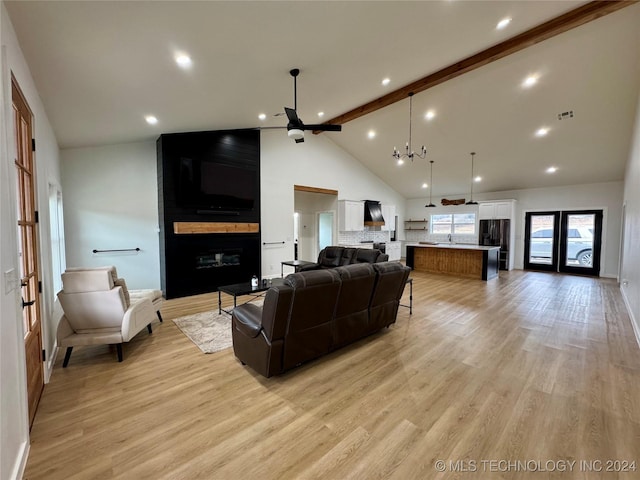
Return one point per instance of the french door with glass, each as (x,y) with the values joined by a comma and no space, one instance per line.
(568,241)
(28,245)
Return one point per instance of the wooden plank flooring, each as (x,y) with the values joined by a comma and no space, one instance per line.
(530,367)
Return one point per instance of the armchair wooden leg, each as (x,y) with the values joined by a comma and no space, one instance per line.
(149,329)
(159,316)
(67,356)
(119,350)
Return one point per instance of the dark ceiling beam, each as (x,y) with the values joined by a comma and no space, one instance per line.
(567,21)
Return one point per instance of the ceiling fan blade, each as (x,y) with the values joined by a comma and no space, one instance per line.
(325,127)
(292,116)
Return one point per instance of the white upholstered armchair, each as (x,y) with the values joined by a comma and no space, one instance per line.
(98,309)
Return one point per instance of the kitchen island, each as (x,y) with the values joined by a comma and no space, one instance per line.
(473,261)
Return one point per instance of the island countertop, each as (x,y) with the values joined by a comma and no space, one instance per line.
(456,246)
(473,261)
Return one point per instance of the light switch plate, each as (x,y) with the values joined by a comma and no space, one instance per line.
(10,281)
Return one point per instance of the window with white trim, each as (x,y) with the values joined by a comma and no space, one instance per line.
(58,260)
(453,224)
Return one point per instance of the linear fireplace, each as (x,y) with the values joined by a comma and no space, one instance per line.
(219,258)
(200,263)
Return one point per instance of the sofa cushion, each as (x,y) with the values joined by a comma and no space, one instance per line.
(390,282)
(366,255)
(313,303)
(110,268)
(330,257)
(352,310)
(348,256)
(86,281)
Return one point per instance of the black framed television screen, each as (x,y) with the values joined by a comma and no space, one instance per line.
(216,185)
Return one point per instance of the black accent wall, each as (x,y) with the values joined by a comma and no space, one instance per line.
(208,177)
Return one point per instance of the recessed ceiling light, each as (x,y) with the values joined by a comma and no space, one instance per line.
(151,120)
(530,81)
(430,114)
(541,132)
(503,23)
(552,169)
(262,116)
(477,179)
(400,161)
(371,134)
(386,81)
(183,60)
(321,114)
(424,185)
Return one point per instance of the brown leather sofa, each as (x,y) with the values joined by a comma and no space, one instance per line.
(335,256)
(316,312)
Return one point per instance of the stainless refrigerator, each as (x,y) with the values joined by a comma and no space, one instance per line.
(496,233)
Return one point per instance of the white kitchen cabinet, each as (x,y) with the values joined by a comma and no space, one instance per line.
(389,215)
(350,216)
(503,209)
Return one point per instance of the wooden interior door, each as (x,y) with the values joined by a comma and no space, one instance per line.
(27,243)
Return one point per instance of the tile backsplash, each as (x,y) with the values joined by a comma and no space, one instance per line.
(353,238)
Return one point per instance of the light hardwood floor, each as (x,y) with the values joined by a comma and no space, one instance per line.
(530,367)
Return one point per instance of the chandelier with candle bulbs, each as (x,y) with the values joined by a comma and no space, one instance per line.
(409,153)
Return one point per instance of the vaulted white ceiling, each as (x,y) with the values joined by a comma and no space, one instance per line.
(100,67)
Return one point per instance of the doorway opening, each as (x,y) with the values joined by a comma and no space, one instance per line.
(314,220)
(325,229)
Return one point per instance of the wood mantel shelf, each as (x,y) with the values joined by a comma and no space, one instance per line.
(184,228)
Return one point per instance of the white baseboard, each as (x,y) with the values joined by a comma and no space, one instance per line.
(21,461)
(634,322)
(51,362)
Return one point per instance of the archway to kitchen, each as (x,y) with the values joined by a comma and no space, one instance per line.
(310,205)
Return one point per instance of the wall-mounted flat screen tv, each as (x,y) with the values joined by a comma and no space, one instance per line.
(216,185)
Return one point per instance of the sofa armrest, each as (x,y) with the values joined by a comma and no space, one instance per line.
(247,319)
(64,331)
(137,316)
(383,257)
(275,311)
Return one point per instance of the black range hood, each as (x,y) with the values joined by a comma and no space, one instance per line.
(373,214)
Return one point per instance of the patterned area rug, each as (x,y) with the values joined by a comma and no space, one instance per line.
(210,331)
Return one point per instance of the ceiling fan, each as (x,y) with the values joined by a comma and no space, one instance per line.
(295,127)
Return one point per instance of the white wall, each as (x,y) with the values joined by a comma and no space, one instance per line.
(110,199)
(630,274)
(605,196)
(14,427)
(111,202)
(318,162)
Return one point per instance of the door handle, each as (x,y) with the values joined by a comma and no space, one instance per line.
(27,304)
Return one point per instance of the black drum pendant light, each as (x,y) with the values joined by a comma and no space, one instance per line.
(471,202)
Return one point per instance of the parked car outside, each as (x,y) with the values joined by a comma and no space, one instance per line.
(579,245)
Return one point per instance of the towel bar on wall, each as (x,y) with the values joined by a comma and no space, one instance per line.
(118,250)
(273,243)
